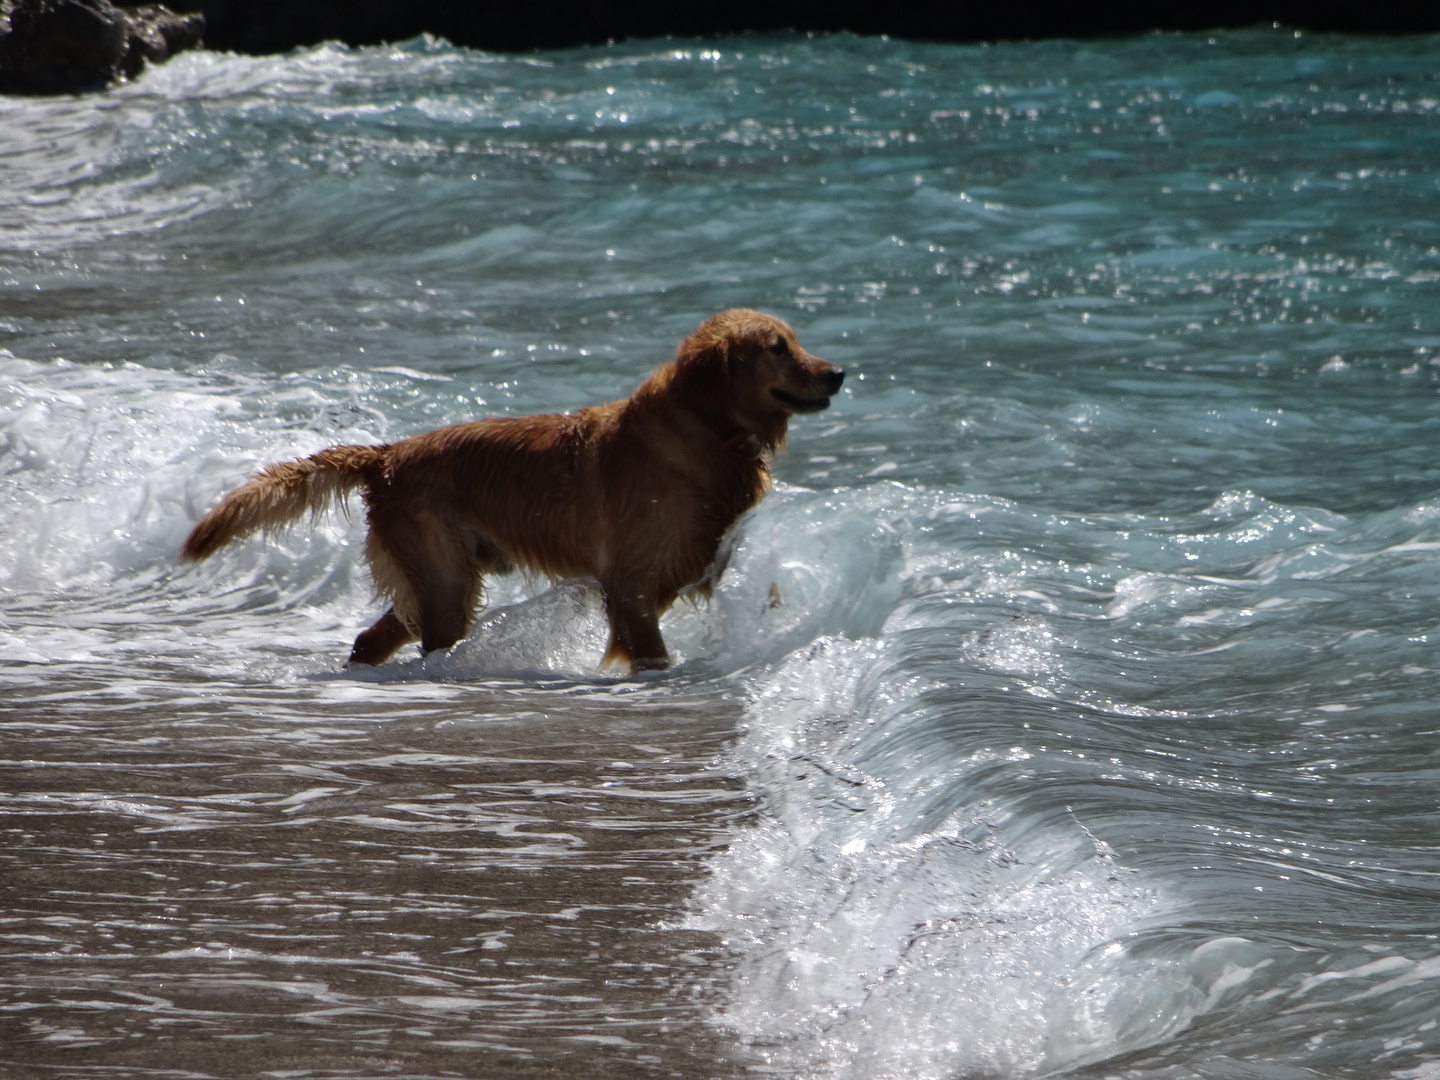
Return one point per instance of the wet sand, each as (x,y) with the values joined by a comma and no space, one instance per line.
(341,879)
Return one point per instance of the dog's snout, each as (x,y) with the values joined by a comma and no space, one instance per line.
(833,380)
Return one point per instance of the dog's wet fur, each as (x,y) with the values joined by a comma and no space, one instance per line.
(636,494)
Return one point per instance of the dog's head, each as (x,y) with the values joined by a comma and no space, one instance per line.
(745,369)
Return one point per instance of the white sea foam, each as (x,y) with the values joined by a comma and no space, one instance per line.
(108,468)
(869,943)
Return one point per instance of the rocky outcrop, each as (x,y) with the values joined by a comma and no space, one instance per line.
(155,34)
(72,46)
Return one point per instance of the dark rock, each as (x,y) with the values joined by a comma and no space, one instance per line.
(155,34)
(73,46)
(61,46)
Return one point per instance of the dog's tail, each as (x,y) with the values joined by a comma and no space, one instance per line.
(281,493)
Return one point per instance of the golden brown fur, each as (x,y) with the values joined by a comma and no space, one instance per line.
(636,494)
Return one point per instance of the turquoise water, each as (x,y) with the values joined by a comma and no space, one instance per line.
(1094,734)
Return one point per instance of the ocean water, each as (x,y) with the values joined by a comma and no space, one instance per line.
(1095,733)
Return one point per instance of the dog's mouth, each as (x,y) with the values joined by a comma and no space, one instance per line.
(799,404)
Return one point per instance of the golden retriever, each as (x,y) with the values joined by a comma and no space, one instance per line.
(636,494)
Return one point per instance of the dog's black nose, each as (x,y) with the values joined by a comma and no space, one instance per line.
(833,381)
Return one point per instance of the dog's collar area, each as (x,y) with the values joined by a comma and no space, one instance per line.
(732,436)
(744,441)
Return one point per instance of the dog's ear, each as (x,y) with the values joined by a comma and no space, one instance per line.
(702,369)
(705,357)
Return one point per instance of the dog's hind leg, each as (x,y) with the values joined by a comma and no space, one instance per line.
(378,644)
(444,570)
(634,634)
(431,570)
(445,614)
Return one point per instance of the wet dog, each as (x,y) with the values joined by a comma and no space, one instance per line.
(636,494)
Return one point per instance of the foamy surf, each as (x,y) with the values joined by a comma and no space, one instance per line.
(890,916)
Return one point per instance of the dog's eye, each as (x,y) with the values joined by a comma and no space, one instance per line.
(780,347)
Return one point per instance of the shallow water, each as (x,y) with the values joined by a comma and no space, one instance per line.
(1093,734)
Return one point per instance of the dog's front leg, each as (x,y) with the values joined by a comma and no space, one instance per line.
(634,632)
